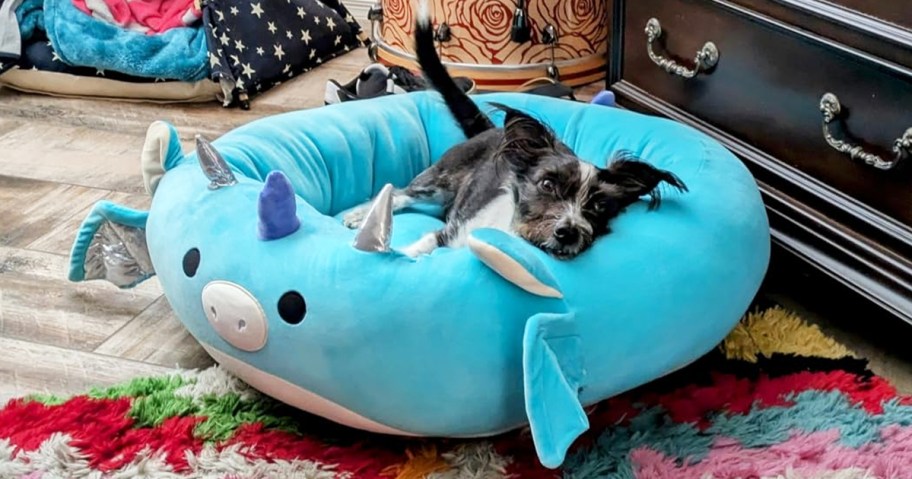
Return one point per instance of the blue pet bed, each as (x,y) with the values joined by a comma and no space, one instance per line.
(245,238)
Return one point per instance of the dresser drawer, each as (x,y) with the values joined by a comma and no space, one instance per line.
(882,28)
(898,12)
(766,90)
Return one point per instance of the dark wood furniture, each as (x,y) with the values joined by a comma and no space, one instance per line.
(814,96)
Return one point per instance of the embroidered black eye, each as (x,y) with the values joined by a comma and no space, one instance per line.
(292,307)
(191,262)
(546,185)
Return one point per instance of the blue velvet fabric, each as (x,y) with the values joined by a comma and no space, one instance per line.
(444,345)
(30,16)
(81,40)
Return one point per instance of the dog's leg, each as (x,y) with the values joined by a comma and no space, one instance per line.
(452,235)
(411,195)
(427,243)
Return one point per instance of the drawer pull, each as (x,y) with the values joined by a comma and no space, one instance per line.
(831,109)
(706,57)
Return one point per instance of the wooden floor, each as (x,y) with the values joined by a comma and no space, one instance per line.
(57,158)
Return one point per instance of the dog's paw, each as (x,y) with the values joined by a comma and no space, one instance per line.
(355,217)
(425,245)
(415,251)
(411,252)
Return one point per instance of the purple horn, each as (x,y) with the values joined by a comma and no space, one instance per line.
(276,208)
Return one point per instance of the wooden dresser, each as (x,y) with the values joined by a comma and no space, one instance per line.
(815,97)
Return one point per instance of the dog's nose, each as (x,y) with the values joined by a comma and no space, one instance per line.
(566,235)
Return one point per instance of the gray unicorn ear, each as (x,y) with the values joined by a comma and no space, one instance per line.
(214,166)
(376,230)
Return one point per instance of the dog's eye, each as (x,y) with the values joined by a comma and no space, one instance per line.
(546,185)
(602,206)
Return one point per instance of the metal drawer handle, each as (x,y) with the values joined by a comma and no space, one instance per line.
(706,58)
(831,109)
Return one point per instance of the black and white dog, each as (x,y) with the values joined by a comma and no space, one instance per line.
(520,178)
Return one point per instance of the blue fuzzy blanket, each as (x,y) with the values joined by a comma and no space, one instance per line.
(81,40)
(30,15)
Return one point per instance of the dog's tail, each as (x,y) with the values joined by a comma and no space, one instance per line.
(467,114)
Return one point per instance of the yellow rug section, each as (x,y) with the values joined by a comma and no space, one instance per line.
(776,330)
(418,465)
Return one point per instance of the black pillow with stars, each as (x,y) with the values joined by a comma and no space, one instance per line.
(255,45)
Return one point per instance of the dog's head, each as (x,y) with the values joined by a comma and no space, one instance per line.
(563,202)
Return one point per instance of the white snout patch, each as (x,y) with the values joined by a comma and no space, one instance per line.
(574,217)
(235,314)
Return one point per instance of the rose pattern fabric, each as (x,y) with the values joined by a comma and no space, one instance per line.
(481,29)
(398,23)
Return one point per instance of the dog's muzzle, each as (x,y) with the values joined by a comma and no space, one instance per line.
(567,235)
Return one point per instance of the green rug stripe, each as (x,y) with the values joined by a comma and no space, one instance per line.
(225,414)
(46,399)
(147,386)
(154,400)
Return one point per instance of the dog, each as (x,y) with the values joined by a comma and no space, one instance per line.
(520,178)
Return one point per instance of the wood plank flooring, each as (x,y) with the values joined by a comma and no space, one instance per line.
(58,157)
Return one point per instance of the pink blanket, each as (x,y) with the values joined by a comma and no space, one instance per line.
(149,16)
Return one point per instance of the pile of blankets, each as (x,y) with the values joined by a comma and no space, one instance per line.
(58,35)
(149,41)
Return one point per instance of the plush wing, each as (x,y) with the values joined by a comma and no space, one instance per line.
(552,354)
(552,374)
(111,246)
(515,261)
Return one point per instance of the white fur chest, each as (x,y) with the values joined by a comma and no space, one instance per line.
(497,214)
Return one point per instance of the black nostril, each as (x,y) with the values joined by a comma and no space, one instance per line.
(566,235)
(292,307)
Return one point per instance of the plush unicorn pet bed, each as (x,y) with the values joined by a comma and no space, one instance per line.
(246,239)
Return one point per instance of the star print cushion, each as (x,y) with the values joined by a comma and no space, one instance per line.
(255,45)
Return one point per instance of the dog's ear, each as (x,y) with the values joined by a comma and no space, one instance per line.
(636,178)
(525,138)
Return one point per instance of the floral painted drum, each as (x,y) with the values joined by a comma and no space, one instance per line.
(501,44)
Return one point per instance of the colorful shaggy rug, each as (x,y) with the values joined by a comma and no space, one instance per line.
(778,399)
